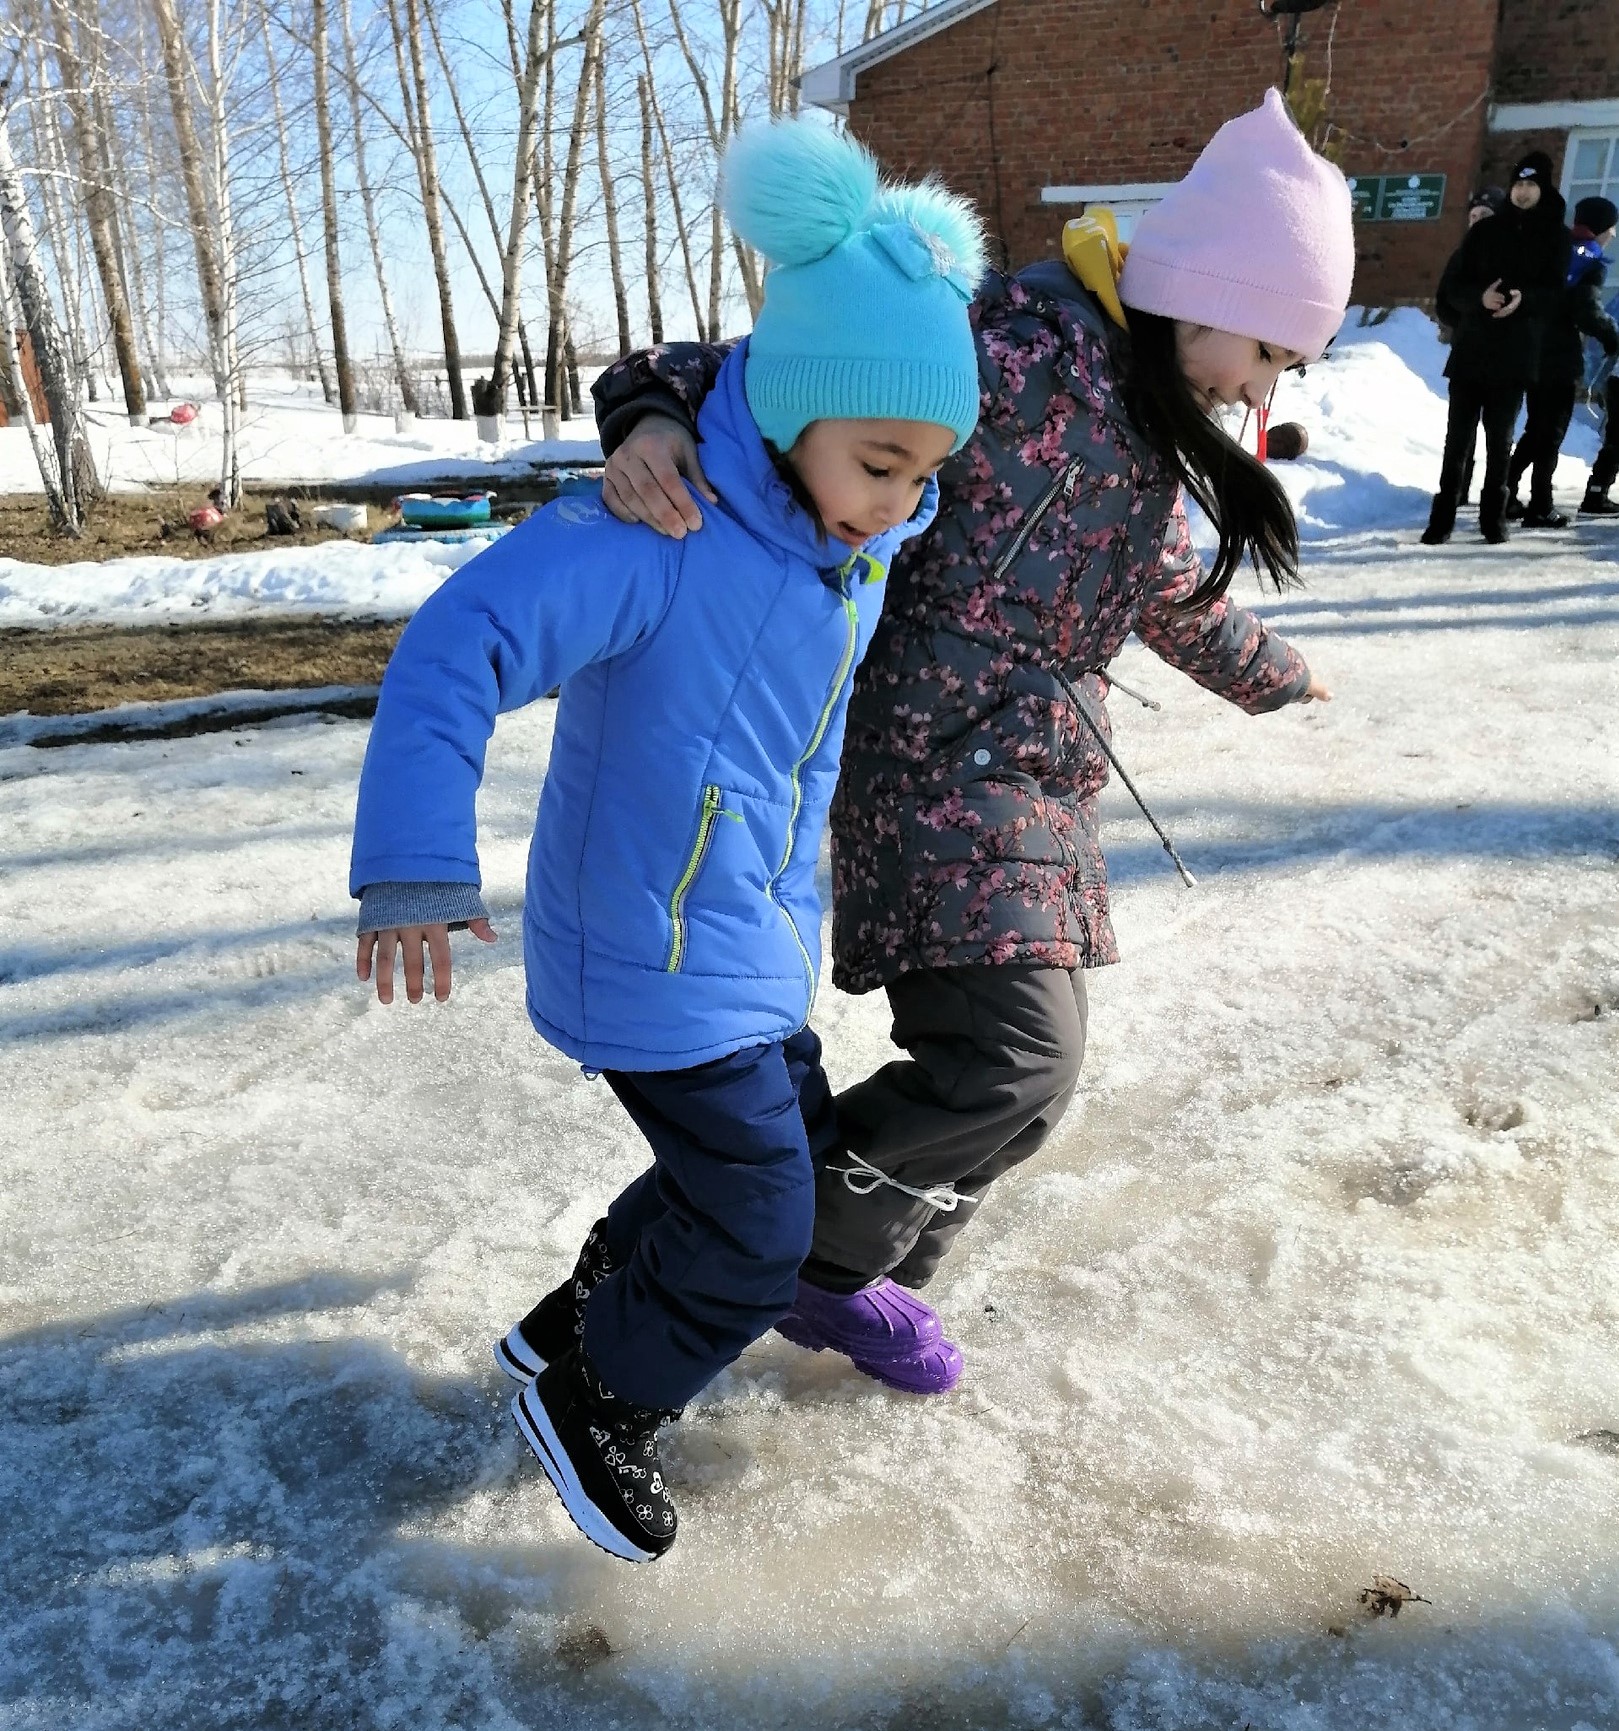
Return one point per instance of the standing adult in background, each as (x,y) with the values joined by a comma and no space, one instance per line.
(1504,282)
(1484,203)
(1562,366)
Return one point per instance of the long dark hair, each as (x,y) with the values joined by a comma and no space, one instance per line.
(1240,496)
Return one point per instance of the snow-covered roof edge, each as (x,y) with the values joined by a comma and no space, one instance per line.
(831,84)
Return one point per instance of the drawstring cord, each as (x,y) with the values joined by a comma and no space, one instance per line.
(1085,715)
(862,1178)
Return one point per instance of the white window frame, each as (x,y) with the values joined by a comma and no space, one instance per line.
(1609,186)
(1128,203)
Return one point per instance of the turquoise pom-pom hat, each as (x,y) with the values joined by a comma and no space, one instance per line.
(865,310)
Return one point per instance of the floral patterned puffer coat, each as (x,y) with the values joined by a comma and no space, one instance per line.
(964,826)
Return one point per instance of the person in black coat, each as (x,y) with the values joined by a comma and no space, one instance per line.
(1562,366)
(1503,285)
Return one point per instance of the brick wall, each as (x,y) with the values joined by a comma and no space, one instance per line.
(1029,93)
(1558,51)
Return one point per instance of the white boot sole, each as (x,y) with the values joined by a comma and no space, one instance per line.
(534,1424)
(517,1359)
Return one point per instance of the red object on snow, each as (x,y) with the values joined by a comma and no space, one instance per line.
(205,519)
(183,414)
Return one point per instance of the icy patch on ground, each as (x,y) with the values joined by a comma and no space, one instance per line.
(1315,1283)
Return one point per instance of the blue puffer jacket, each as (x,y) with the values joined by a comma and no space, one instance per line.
(671,913)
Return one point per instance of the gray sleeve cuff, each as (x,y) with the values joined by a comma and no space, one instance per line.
(383,905)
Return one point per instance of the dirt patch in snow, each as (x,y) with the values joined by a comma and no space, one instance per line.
(72,669)
(125,524)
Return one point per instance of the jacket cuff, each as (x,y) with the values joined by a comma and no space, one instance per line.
(384,905)
(614,427)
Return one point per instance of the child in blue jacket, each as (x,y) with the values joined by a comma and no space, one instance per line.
(671,924)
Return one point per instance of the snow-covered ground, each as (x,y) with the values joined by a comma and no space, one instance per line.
(288,434)
(1375,412)
(1316,1283)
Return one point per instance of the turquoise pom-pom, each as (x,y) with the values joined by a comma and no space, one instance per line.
(794,190)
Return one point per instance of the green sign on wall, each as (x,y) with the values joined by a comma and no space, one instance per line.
(1397,197)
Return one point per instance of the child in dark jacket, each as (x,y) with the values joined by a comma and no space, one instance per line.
(672,923)
(1562,366)
(1504,284)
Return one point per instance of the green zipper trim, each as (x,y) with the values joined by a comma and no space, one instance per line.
(873,573)
(713,810)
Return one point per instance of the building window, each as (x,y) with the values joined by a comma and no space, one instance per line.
(1591,166)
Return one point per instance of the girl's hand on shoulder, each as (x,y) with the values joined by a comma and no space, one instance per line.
(412,940)
(1315,692)
(642,481)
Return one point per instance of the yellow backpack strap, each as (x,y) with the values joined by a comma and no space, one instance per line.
(1092,250)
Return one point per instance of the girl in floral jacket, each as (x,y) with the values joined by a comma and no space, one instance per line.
(968,880)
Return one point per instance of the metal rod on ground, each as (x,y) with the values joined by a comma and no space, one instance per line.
(1107,751)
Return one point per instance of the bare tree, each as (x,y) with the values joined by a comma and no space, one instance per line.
(525,398)
(537,57)
(649,199)
(557,286)
(328,387)
(51,155)
(66,465)
(208,225)
(341,359)
(407,388)
(419,122)
(651,99)
(720,125)
(615,258)
(100,206)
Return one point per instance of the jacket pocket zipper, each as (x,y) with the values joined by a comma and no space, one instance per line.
(1064,484)
(713,811)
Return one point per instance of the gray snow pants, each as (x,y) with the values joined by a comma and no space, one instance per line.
(995,1054)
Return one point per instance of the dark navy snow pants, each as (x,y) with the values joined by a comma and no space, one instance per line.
(711,1235)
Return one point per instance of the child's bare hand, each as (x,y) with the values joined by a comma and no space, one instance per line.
(412,940)
(1315,692)
(642,480)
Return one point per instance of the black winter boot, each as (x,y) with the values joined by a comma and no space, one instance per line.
(1514,508)
(1596,503)
(1441,520)
(1492,516)
(1536,518)
(601,1455)
(554,1325)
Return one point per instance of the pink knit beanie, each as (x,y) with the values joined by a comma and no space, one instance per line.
(1257,239)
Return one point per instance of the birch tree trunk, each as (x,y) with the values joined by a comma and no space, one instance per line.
(159,220)
(527,399)
(328,386)
(328,198)
(233,396)
(407,387)
(426,155)
(67,467)
(558,285)
(669,170)
(649,197)
(720,125)
(51,154)
(129,243)
(615,257)
(536,57)
(99,206)
(203,238)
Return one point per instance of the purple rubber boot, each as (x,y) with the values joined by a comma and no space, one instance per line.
(883,1330)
